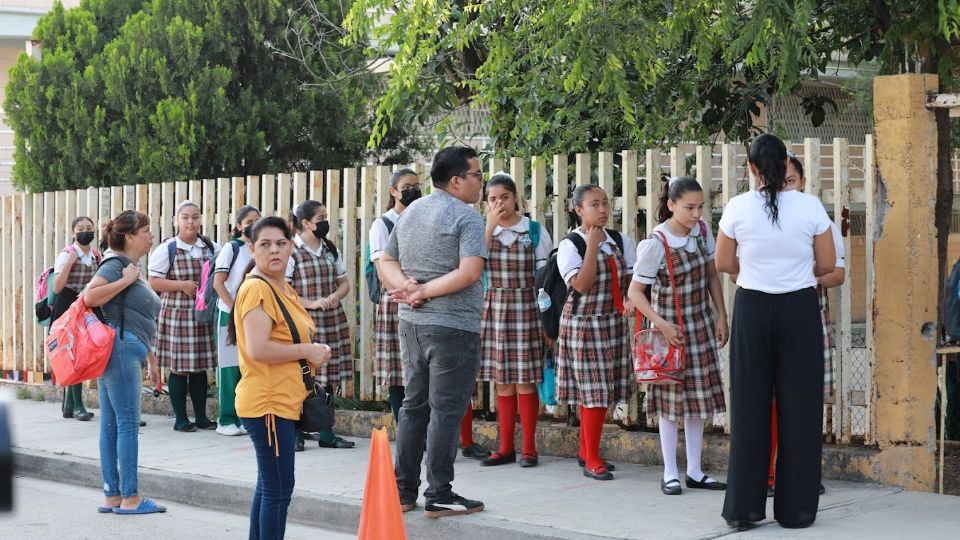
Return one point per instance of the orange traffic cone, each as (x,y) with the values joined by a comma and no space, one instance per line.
(380,515)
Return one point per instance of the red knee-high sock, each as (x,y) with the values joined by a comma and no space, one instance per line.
(591,427)
(507,418)
(529,409)
(466,428)
(773,444)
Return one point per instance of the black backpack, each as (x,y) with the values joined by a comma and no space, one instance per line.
(549,279)
(951,304)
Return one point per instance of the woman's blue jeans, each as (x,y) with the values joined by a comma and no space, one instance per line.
(120,415)
(268,513)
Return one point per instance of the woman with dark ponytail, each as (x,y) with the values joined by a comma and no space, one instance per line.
(777,242)
(404,189)
(319,276)
(683,236)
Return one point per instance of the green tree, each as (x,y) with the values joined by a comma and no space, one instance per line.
(161,90)
(587,75)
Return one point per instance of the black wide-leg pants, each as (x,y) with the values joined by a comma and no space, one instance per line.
(776,346)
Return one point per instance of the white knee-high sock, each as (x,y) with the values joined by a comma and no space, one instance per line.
(668,445)
(693,435)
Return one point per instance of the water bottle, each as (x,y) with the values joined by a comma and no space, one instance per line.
(543,300)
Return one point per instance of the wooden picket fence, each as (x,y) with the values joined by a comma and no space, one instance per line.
(34,227)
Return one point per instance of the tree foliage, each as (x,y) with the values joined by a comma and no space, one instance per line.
(132,91)
(586,74)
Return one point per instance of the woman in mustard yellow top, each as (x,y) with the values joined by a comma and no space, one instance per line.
(271,390)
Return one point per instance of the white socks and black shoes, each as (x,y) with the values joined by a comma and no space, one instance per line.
(451,504)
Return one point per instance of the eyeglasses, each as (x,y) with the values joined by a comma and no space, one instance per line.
(478,174)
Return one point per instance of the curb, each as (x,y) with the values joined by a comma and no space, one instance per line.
(554,438)
(338,514)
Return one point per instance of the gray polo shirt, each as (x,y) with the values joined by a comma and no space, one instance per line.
(141,307)
(431,237)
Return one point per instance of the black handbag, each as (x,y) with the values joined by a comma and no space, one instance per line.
(317,414)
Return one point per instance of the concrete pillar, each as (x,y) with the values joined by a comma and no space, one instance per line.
(905,302)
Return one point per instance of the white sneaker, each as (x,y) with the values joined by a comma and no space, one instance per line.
(243,430)
(230,430)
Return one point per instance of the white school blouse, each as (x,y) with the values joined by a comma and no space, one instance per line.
(569,260)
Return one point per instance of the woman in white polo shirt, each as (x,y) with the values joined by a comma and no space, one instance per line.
(784,244)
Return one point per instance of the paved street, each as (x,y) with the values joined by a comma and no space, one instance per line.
(47,510)
(550,501)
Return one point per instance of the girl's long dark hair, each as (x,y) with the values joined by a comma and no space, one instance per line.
(305,212)
(269,222)
(769,155)
(674,191)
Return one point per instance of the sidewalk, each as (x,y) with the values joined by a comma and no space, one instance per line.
(550,501)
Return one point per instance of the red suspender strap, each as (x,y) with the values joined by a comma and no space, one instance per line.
(673,284)
(617,295)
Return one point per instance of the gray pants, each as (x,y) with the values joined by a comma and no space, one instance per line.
(440,368)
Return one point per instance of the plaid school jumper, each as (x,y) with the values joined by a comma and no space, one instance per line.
(827,342)
(80,275)
(511,339)
(316,277)
(183,344)
(593,356)
(387,362)
(701,394)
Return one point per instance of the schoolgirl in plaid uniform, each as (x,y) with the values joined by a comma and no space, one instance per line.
(73,269)
(796,181)
(511,337)
(319,276)
(593,356)
(388,367)
(183,345)
(700,395)
(229,272)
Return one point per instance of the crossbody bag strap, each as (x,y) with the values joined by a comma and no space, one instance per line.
(308,381)
(673,283)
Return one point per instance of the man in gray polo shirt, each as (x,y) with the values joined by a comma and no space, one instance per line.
(433,262)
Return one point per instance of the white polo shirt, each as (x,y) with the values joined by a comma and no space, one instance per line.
(650,253)
(775,258)
(160,258)
(569,260)
(508,235)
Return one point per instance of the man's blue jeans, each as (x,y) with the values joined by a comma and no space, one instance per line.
(120,415)
(268,513)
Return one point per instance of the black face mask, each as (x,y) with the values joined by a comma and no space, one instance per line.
(323,227)
(248,231)
(84,238)
(409,195)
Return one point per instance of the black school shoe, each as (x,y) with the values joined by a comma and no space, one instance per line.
(451,504)
(703,484)
(83,416)
(606,464)
(337,443)
(601,473)
(671,487)
(497,458)
(475,451)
